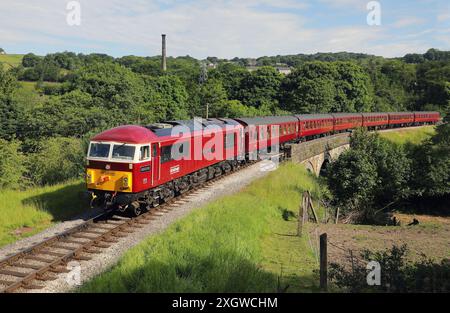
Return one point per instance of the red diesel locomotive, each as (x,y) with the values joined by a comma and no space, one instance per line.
(133,168)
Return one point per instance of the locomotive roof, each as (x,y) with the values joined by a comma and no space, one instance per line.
(128,133)
(305,117)
(267,120)
(165,129)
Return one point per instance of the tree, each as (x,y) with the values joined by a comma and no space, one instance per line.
(9,111)
(231,76)
(11,164)
(213,95)
(373,174)
(310,88)
(110,85)
(234,108)
(165,98)
(30,60)
(431,165)
(57,160)
(2,51)
(260,88)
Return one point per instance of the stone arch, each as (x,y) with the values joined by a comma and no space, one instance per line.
(327,159)
(310,167)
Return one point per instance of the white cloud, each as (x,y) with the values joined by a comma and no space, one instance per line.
(442,17)
(409,21)
(223,28)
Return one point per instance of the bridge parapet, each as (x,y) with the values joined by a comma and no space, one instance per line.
(305,150)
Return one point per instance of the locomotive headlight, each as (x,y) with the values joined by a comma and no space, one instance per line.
(125,182)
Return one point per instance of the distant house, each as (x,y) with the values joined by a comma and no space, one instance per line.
(284,70)
(252,68)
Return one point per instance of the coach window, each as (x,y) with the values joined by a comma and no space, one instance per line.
(154,150)
(144,153)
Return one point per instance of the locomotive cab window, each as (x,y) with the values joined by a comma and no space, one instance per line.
(99,150)
(123,152)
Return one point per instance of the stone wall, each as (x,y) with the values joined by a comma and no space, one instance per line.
(314,153)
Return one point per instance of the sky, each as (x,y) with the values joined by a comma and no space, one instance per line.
(224,28)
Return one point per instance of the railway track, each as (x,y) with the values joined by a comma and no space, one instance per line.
(29,269)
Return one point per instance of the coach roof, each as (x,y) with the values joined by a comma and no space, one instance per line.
(269,120)
(307,117)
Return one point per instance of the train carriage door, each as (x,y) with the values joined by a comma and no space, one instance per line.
(156,165)
(143,178)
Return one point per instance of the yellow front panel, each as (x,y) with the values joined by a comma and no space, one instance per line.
(109,180)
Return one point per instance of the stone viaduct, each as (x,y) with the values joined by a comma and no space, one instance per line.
(315,154)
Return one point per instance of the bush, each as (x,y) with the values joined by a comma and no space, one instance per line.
(397,275)
(58,160)
(11,164)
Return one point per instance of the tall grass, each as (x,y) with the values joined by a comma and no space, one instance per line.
(413,136)
(24,213)
(227,246)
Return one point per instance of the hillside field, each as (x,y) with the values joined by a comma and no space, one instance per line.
(410,135)
(10,60)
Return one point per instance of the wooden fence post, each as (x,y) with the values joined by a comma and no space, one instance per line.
(305,207)
(311,205)
(300,218)
(337,216)
(323,263)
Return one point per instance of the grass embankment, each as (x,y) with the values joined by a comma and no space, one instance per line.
(25,213)
(239,243)
(409,136)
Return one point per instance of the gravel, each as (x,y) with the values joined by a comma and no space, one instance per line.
(110,256)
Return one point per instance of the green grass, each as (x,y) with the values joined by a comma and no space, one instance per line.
(412,136)
(239,243)
(25,213)
(10,60)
